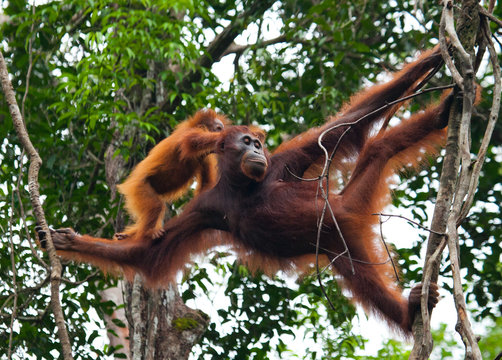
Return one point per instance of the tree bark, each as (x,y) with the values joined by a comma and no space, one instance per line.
(455,176)
(161,325)
(35,163)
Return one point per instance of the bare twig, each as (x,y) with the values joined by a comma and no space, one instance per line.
(86,279)
(387,249)
(404,98)
(426,284)
(415,90)
(320,223)
(497,40)
(356,260)
(411,221)
(95,158)
(327,205)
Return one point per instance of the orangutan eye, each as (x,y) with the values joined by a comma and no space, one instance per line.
(246,140)
(218,125)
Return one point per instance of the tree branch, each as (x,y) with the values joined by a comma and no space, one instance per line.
(35,163)
(216,49)
(490,16)
(448,26)
(234,48)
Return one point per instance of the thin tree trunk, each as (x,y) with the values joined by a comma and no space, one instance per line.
(456,190)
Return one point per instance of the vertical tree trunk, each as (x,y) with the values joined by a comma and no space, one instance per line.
(455,174)
(161,326)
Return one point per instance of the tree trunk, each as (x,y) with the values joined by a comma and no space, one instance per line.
(161,326)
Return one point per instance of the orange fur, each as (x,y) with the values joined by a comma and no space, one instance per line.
(169,170)
(344,159)
(368,193)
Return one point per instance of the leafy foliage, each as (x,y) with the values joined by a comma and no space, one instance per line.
(263,313)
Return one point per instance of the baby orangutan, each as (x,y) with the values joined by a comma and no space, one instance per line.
(169,170)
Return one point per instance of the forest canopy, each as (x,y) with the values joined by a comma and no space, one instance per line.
(98,84)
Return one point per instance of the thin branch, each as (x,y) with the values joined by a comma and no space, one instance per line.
(95,158)
(39,317)
(446,24)
(356,260)
(325,195)
(420,85)
(387,248)
(31,319)
(497,40)
(463,326)
(145,102)
(77,19)
(413,222)
(491,5)
(431,263)
(215,49)
(355,122)
(427,283)
(30,61)
(35,163)
(492,120)
(86,279)
(490,16)
(14,276)
(234,48)
(34,252)
(404,98)
(33,289)
(37,287)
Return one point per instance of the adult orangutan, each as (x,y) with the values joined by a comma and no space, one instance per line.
(271,216)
